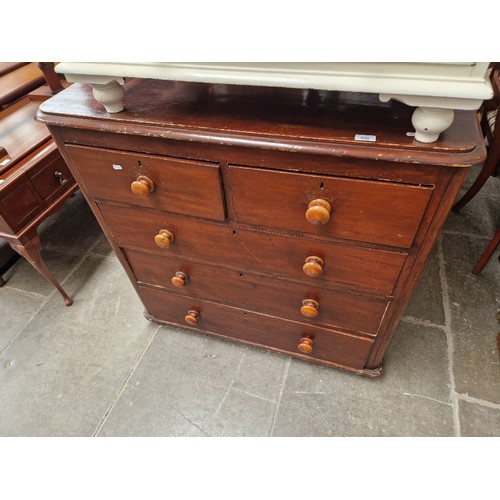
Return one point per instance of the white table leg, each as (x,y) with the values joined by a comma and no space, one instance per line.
(110,95)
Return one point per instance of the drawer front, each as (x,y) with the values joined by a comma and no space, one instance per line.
(19,204)
(362,210)
(52,178)
(258,329)
(179,186)
(259,293)
(243,250)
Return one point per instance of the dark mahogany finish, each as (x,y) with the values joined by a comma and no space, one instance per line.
(167,184)
(34,179)
(32,191)
(242,247)
(254,214)
(348,208)
(329,345)
(259,292)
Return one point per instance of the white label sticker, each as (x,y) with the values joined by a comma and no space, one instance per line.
(366,138)
(5,162)
(410,134)
(117,167)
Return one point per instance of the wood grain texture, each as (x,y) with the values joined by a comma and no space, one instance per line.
(343,349)
(18,81)
(31,192)
(242,276)
(180,186)
(35,181)
(20,134)
(284,119)
(358,313)
(361,210)
(239,248)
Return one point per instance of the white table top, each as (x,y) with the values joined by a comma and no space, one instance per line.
(436,89)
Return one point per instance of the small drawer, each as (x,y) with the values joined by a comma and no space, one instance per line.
(305,341)
(163,183)
(294,301)
(362,210)
(52,178)
(240,248)
(19,205)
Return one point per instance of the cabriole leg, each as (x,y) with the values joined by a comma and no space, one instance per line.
(31,252)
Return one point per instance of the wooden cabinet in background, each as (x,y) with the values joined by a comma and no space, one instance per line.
(34,179)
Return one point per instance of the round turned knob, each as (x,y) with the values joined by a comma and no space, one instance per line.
(180,279)
(318,212)
(142,186)
(192,317)
(164,238)
(306,345)
(313,266)
(309,308)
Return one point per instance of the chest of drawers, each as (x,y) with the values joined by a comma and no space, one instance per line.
(256,214)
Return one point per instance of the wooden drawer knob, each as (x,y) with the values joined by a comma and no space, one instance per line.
(164,238)
(313,266)
(192,317)
(309,308)
(180,279)
(318,212)
(142,186)
(306,345)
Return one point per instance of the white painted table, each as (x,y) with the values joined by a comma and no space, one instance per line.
(435,89)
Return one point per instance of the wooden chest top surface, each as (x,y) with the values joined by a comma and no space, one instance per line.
(319,122)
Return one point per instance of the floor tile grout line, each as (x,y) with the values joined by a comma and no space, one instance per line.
(280,395)
(84,257)
(469,235)
(480,402)
(125,384)
(33,295)
(13,339)
(449,336)
(416,321)
(104,257)
(52,294)
(226,394)
(253,395)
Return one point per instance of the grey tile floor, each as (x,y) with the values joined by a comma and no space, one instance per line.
(99,368)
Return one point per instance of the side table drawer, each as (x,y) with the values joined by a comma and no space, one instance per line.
(362,210)
(19,205)
(52,178)
(163,183)
(242,249)
(259,293)
(342,349)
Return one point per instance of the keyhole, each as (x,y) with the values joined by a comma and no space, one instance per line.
(139,164)
(321,186)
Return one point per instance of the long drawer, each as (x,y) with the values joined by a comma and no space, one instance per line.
(342,349)
(362,210)
(163,183)
(243,249)
(294,301)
